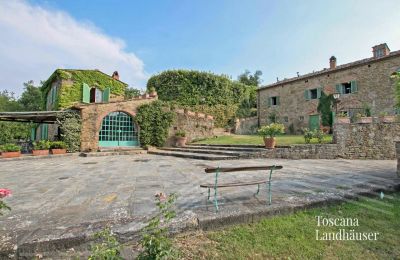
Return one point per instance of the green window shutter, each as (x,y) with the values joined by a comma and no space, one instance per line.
(307,94)
(54,94)
(354,86)
(319,90)
(44,131)
(278,102)
(33,133)
(85,93)
(339,88)
(269,102)
(106,95)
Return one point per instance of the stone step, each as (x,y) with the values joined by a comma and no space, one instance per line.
(199,156)
(203,151)
(227,148)
(116,152)
(119,149)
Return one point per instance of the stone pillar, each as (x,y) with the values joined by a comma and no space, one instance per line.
(398,157)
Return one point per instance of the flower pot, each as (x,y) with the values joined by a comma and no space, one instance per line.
(387,119)
(58,151)
(10,154)
(180,141)
(40,152)
(364,120)
(343,120)
(326,129)
(269,142)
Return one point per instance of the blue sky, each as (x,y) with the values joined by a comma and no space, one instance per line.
(140,38)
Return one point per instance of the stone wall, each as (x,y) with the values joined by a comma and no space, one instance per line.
(301,151)
(246,126)
(196,125)
(375,89)
(398,157)
(367,141)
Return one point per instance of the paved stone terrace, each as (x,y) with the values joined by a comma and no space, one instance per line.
(64,199)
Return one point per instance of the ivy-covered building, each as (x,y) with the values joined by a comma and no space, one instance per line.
(363,85)
(106,118)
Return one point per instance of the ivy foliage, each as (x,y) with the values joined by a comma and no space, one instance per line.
(70,129)
(70,91)
(325,108)
(195,89)
(154,120)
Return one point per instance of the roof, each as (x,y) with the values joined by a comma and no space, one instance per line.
(326,71)
(31,117)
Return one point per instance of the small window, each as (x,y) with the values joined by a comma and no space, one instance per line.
(301,118)
(313,93)
(347,87)
(286,119)
(274,101)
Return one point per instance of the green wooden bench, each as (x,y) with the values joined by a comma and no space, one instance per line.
(258,182)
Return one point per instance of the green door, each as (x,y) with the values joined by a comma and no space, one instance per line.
(314,122)
(118,129)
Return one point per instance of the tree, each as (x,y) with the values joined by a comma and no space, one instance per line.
(131,93)
(325,108)
(32,98)
(251,80)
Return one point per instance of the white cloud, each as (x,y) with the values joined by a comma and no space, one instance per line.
(35,41)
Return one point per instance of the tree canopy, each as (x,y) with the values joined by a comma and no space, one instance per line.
(251,79)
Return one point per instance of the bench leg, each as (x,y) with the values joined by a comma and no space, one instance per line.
(215,199)
(208,198)
(258,189)
(270,194)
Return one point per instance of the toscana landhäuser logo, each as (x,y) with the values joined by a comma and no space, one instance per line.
(348,230)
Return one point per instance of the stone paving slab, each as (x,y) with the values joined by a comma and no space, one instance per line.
(58,203)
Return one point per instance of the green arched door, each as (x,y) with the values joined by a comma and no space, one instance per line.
(118,129)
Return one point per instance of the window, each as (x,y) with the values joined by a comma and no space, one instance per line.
(286,119)
(301,118)
(312,93)
(347,87)
(273,101)
(94,95)
(379,53)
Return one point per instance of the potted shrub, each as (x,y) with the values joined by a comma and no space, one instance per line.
(268,132)
(181,138)
(10,150)
(385,118)
(152,92)
(58,147)
(342,118)
(41,148)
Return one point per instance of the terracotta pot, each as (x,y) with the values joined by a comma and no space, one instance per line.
(364,120)
(269,142)
(10,154)
(58,151)
(40,152)
(343,120)
(326,129)
(153,94)
(387,119)
(180,141)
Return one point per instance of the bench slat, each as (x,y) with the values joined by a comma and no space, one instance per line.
(234,184)
(241,169)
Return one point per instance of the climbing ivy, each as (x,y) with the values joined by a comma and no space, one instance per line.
(154,120)
(70,129)
(70,91)
(325,108)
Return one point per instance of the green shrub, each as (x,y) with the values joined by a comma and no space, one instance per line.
(107,247)
(58,145)
(308,135)
(10,148)
(70,129)
(180,133)
(271,130)
(319,134)
(41,145)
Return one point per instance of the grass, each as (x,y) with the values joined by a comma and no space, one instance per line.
(258,140)
(294,236)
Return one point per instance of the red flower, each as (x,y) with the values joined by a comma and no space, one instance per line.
(161,196)
(4,193)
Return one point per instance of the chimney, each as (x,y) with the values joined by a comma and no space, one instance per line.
(380,50)
(115,75)
(332,62)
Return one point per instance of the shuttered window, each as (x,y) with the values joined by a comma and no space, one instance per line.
(347,87)
(273,101)
(314,93)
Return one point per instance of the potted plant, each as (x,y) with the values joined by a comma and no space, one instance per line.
(385,118)
(10,150)
(152,92)
(181,138)
(58,147)
(342,118)
(268,132)
(41,148)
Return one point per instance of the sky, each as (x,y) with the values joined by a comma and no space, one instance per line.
(142,38)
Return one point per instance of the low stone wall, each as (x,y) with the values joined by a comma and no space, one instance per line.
(301,151)
(196,125)
(367,141)
(398,157)
(246,126)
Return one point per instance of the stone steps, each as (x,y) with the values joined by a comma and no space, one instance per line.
(199,156)
(227,148)
(111,152)
(202,151)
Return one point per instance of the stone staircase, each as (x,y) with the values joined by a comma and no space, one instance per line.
(210,152)
(114,151)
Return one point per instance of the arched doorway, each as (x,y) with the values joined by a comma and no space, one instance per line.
(118,129)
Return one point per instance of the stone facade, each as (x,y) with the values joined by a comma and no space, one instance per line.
(246,126)
(196,125)
(301,151)
(92,116)
(367,141)
(398,157)
(374,88)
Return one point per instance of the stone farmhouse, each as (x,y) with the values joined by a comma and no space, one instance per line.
(362,84)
